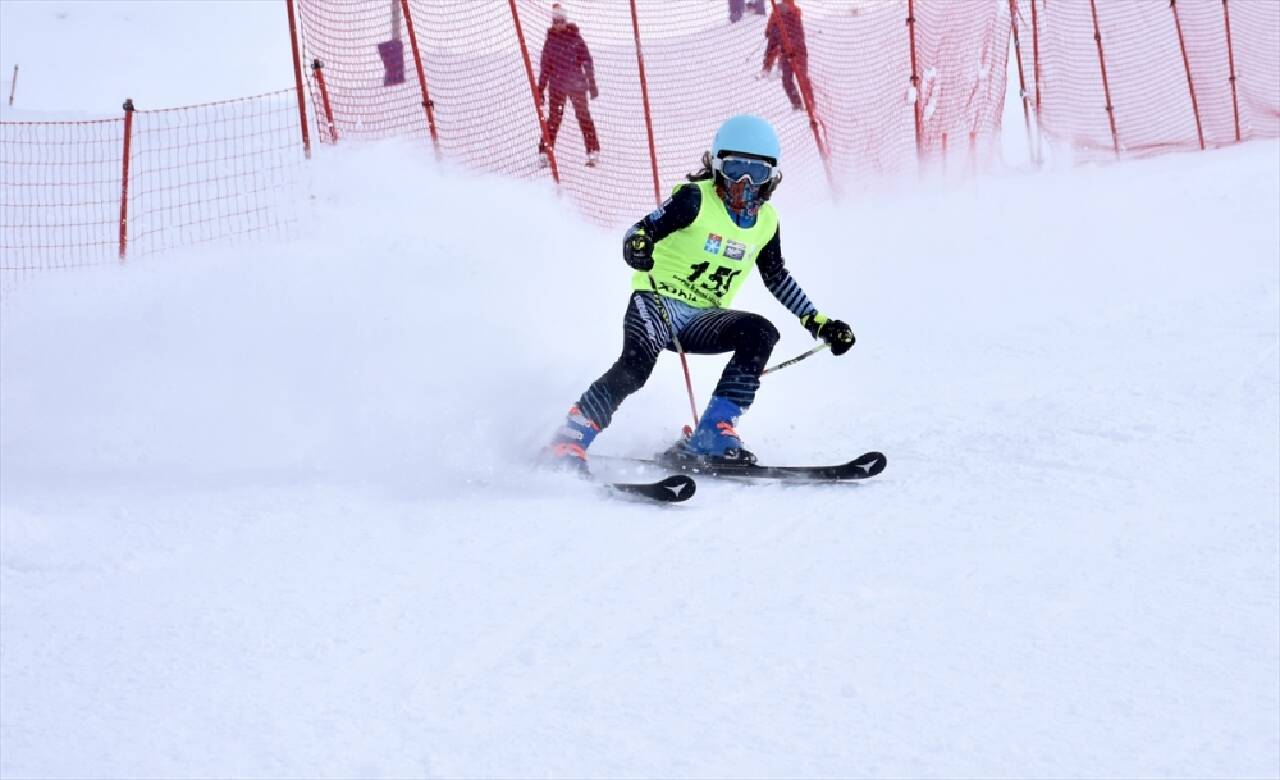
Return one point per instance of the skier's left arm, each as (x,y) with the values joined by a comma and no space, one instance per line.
(589,69)
(779,282)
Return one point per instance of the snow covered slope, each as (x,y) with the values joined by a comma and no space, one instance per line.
(265,511)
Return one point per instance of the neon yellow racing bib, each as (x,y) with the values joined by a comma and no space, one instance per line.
(706,263)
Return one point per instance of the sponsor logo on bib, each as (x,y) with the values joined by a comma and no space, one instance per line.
(735,250)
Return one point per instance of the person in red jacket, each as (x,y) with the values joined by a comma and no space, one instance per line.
(567,72)
(785,35)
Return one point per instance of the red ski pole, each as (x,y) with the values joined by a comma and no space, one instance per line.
(684,363)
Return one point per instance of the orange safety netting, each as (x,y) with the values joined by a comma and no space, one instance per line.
(194,174)
(214,171)
(61,193)
(1134,78)
(859,89)
(856,116)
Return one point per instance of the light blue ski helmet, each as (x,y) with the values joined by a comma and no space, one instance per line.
(747,134)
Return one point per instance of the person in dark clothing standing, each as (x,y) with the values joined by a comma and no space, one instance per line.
(567,72)
(785,36)
(736,7)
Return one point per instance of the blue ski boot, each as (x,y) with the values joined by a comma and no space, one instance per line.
(568,448)
(715,440)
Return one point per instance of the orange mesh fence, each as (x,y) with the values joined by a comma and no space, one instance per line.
(848,109)
(1255,35)
(59,193)
(858,89)
(368,100)
(213,171)
(194,174)
(963,57)
(1134,78)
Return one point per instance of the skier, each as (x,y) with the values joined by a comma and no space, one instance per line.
(698,248)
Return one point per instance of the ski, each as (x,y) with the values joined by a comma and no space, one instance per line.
(673,489)
(864,466)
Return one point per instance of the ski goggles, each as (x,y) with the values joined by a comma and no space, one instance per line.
(734,168)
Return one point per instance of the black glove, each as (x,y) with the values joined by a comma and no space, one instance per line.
(837,333)
(637,250)
(595,93)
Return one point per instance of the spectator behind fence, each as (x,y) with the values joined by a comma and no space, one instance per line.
(566,70)
(785,35)
(736,8)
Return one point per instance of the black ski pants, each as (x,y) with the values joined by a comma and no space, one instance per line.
(646,334)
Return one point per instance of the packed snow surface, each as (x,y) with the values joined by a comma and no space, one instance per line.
(267,510)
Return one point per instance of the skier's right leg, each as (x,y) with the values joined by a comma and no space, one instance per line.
(555,113)
(585,123)
(645,335)
(751,338)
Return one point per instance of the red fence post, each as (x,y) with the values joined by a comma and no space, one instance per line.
(1231,63)
(1186,63)
(124,177)
(533,90)
(1106,88)
(297,77)
(318,67)
(644,95)
(1035,63)
(806,94)
(422,76)
(1022,80)
(915,74)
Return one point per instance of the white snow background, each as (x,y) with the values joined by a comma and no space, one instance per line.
(265,511)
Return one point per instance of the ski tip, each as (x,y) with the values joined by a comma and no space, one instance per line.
(869,463)
(681,487)
(673,489)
